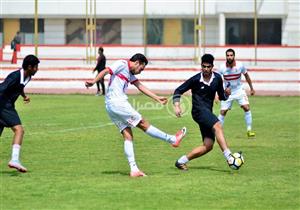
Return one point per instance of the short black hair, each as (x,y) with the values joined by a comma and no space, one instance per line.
(101,49)
(208,58)
(139,57)
(230,50)
(30,60)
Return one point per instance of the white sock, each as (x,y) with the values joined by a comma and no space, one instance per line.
(221,118)
(15,152)
(183,160)
(129,152)
(156,133)
(226,153)
(248,120)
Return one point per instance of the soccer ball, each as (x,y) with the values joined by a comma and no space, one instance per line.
(236,161)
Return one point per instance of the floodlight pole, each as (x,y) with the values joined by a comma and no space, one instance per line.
(255,32)
(36,35)
(197,31)
(145,27)
(90,30)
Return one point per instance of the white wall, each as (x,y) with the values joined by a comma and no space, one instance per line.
(54,31)
(135,8)
(291,25)
(132,31)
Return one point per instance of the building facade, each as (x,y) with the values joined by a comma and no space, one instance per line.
(166,22)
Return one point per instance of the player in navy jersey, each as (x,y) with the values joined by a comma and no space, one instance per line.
(232,72)
(101,63)
(204,87)
(10,89)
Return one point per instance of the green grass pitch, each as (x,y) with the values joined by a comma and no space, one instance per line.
(75,159)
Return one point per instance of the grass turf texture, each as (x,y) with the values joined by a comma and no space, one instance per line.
(75,159)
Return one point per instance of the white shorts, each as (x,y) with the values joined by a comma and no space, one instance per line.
(123,115)
(239,96)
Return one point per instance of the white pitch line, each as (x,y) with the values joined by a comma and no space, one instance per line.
(83,128)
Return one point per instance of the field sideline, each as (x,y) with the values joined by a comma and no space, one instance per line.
(75,159)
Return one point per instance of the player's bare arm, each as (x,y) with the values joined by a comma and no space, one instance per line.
(26,98)
(146,91)
(177,109)
(247,77)
(90,83)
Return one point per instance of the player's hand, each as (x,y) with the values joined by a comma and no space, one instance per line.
(178,111)
(89,84)
(252,92)
(26,99)
(162,100)
(217,99)
(228,91)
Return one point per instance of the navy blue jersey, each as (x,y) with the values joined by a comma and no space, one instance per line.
(203,93)
(101,63)
(11,88)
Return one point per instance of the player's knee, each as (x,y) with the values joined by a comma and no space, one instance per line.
(223,112)
(143,124)
(246,108)
(217,126)
(209,147)
(18,129)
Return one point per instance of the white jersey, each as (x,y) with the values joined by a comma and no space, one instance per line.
(233,76)
(120,77)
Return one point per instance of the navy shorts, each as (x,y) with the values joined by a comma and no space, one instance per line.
(206,120)
(8,118)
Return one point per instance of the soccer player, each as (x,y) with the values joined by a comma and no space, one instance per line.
(204,86)
(123,115)
(10,89)
(232,72)
(101,63)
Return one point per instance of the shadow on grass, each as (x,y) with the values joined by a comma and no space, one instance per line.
(123,173)
(11,173)
(209,168)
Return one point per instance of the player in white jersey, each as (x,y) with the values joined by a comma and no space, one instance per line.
(232,72)
(123,115)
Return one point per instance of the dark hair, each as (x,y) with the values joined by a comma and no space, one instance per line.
(101,49)
(207,58)
(30,60)
(139,57)
(230,50)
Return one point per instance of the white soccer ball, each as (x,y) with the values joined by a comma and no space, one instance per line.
(236,161)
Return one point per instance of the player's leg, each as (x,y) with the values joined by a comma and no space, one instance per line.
(98,88)
(10,118)
(195,153)
(16,147)
(102,86)
(129,152)
(2,125)
(225,106)
(157,133)
(244,103)
(218,130)
(208,137)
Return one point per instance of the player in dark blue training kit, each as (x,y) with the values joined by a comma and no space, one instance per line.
(204,87)
(10,89)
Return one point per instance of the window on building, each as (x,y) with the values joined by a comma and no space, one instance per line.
(187,31)
(269,31)
(241,31)
(154,31)
(108,31)
(75,31)
(27,31)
